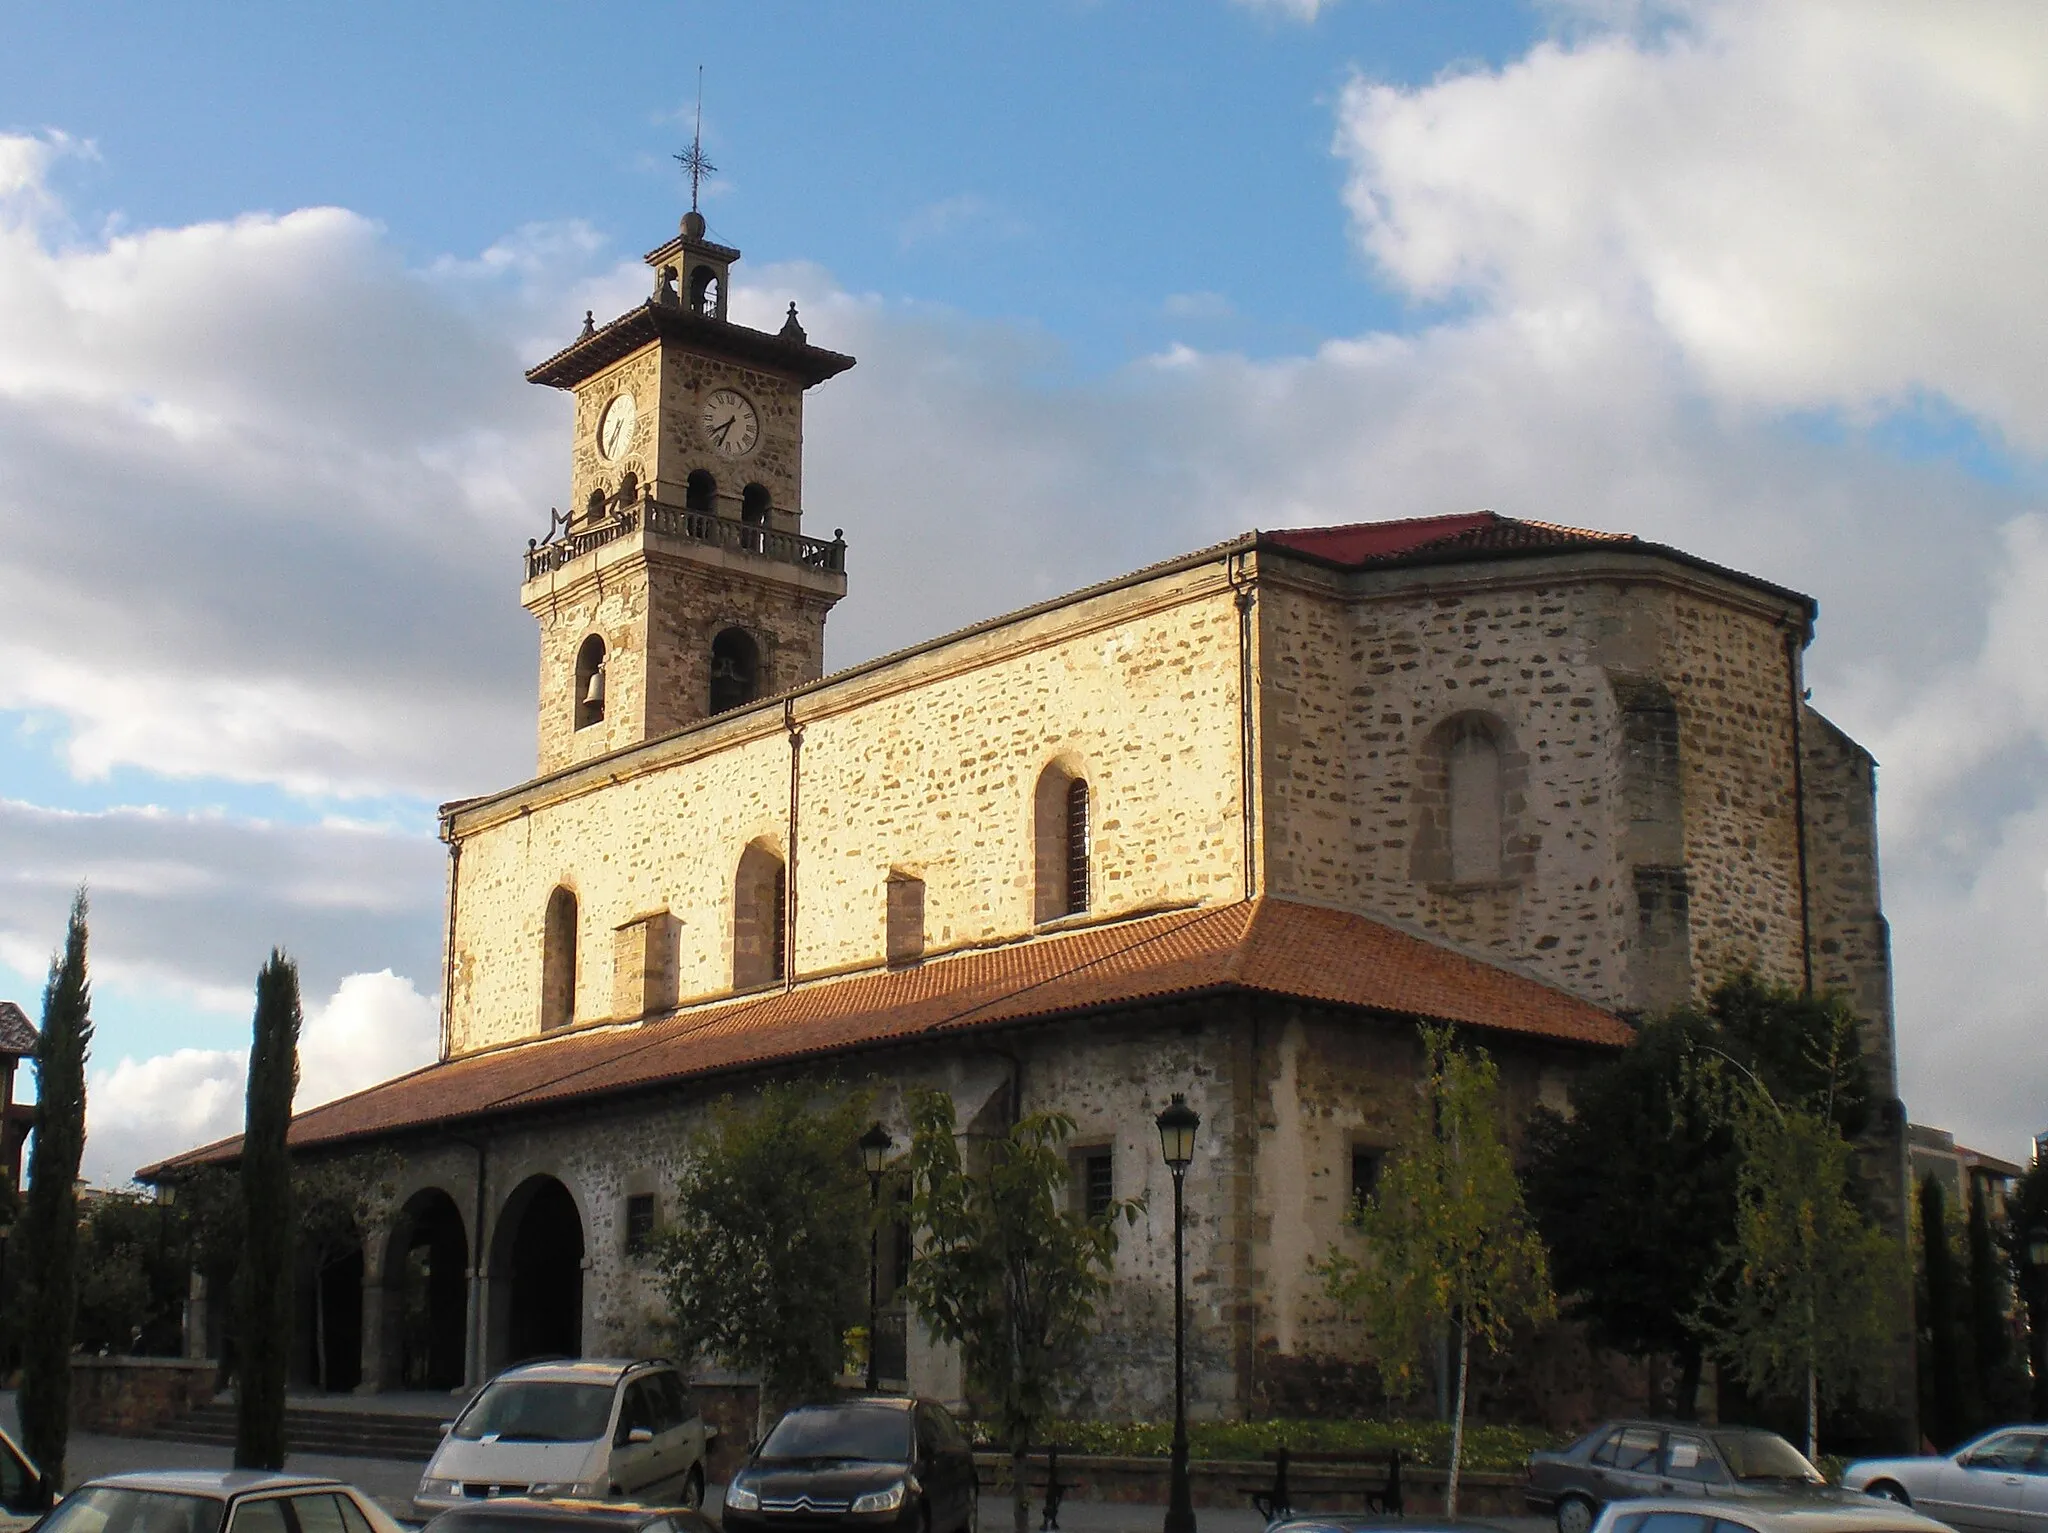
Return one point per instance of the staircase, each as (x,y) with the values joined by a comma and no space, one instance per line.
(309,1429)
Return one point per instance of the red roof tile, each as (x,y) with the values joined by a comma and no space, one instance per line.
(17,1034)
(1268,946)
(1364,543)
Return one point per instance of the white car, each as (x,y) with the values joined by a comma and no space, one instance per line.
(1797,1513)
(590,1429)
(23,1495)
(1998,1484)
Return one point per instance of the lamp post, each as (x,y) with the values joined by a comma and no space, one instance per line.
(1177,1125)
(874,1146)
(2037,1263)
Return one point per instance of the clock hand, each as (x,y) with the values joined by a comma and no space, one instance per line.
(718,435)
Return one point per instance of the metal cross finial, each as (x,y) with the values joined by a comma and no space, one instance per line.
(693,160)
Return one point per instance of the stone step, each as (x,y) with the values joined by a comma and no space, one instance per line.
(309,1429)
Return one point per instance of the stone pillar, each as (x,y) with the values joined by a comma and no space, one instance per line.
(474,1364)
(373,1381)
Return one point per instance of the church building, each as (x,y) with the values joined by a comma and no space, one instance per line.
(1227,826)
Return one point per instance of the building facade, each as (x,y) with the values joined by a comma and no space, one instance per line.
(1228,826)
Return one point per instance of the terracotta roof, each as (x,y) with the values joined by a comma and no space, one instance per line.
(1267,946)
(652,321)
(17,1034)
(1366,543)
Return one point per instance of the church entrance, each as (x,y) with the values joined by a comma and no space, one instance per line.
(537,1274)
(426,1293)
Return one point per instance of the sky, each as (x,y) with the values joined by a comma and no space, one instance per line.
(1764,279)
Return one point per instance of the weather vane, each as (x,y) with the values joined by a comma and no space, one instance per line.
(693,160)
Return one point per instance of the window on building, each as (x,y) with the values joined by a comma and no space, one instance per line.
(700,491)
(905,918)
(1473,790)
(735,670)
(754,514)
(1064,852)
(1365,1173)
(639,1223)
(1093,1172)
(590,682)
(759,931)
(558,961)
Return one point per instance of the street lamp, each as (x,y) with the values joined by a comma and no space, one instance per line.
(875,1145)
(2037,1260)
(1177,1125)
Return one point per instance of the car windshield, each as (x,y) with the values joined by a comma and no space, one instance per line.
(115,1509)
(537,1411)
(1764,1456)
(878,1434)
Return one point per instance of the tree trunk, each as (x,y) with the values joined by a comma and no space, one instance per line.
(1020,1491)
(1812,1412)
(1690,1362)
(320,1327)
(1457,1424)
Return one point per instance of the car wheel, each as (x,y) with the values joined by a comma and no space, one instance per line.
(1890,1491)
(1574,1515)
(693,1488)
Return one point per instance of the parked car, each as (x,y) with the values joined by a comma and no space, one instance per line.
(1377,1522)
(1999,1481)
(1763,1513)
(216,1501)
(24,1494)
(506,1514)
(877,1462)
(1624,1460)
(589,1429)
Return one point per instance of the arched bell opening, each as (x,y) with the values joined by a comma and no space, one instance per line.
(590,682)
(537,1275)
(706,297)
(700,491)
(426,1294)
(735,670)
(754,507)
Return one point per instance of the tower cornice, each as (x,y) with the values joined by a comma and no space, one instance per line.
(654,320)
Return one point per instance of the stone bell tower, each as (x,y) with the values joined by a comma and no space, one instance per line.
(679,584)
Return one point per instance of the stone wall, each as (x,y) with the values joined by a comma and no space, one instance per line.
(132,1396)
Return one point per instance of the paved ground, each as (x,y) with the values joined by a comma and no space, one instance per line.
(392,1481)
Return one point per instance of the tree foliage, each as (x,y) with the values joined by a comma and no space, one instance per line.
(1810,1274)
(1945,1416)
(2027,1210)
(1635,1191)
(1449,1246)
(263,1292)
(765,1267)
(1005,1267)
(47,1237)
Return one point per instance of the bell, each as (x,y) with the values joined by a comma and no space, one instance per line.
(593,695)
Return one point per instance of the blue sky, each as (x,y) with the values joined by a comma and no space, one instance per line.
(1122,278)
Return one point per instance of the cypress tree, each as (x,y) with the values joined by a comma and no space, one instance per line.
(1944,1334)
(1996,1398)
(48,1235)
(263,1308)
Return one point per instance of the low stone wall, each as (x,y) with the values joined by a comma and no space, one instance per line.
(1230,1482)
(132,1396)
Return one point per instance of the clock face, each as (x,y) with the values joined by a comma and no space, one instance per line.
(615,428)
(730,423)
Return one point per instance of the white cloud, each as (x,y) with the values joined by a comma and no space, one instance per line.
(1294,10)
(138,1111)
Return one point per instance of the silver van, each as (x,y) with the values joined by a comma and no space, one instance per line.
(590,1429)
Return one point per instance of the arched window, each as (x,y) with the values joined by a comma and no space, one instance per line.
(700,491)
(704,292)
(590,683)
(735,670)
(754,513)
(1472,794)
(629,489)
(1062,846)
(593,509)
(760,932)
(558,962)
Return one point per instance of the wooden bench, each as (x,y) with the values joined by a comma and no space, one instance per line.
(1383,1497)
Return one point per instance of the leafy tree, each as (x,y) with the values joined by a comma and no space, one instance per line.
(1635,1192)
(1941,1323)
(2027,1210)
(132,1275)
(1810,1274)
(337,1200)
(1449,1246)
(765,1268)
(263,1307)
(48,1232)
(2001,1385)
(1005,1268)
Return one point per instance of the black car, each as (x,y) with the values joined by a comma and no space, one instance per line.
(1622,1460)
(876,1463)
(508,1514)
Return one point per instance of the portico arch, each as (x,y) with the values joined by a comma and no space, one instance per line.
(537,1274)
(425,1293)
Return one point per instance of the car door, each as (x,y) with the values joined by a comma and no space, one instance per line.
(674,1442)
(1690,1466)
(956,1453)
(1981,1487)
(635,1464)
(2034,1494)
(1627,1464)
(21,1489)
